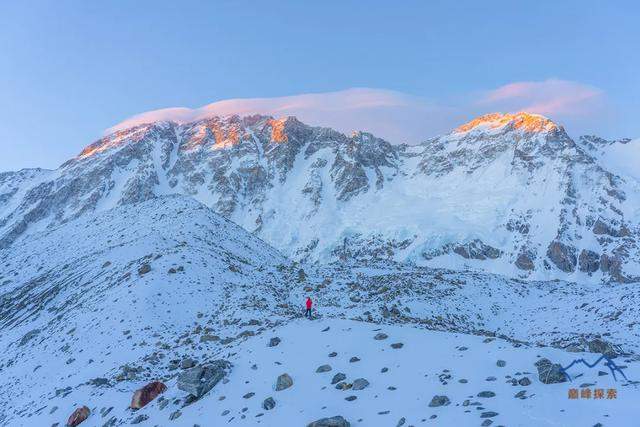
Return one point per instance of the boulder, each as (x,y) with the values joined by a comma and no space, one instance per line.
(439,401)
(283,382)
(336,421)
(146,394)
(360,384)
(603,347)
(268,404)
(200,379)
(550,373)
(338,377)
(187,363)
(323,368)
(78,416)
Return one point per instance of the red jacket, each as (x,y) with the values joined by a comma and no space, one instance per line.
(309,303)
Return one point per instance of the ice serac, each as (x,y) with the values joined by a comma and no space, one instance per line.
(505,193)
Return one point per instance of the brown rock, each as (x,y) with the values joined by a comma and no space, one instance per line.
(146,394)
(78,416)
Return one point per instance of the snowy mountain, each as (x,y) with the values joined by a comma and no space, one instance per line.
(505,193)
(150,294)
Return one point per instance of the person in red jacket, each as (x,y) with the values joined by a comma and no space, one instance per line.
(309,305)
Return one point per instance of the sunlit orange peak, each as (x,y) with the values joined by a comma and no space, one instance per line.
(522,121)
(277,130)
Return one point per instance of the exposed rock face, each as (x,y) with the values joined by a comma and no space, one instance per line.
(78,416)
(563,256)
(146,394)
(524,262)
(336,421)
(477,250)
(589,261)
(550,373)
(200,379)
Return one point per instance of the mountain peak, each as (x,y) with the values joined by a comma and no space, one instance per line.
(523,121)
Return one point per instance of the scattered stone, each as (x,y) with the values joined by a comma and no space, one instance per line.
(338,377)
(397,345)
(274,342)
(187,363)
(283,382)
(486,394)
(144,269)
(488,414)
(521,394)
(140,418)
(175,415)
(354,359)
(269,403)
(381,336)
(350,398)
(146,394)
(463,381)
(439,401)
(343,386)
(323,368)
(401,422)
(336,421)
(383,370)
(501,363)
(333,354)
(524,381)
(78,416)
(249,395)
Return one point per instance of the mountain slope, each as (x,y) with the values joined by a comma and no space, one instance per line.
(506,193)
(132,285)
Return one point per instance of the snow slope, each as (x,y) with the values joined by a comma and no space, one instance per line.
(76,302)
(95,308)
(428,364)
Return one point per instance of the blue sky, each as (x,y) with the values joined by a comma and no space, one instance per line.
(69,70)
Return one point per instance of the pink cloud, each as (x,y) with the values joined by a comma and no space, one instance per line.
(392,115)
(400,117)
(550,97)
